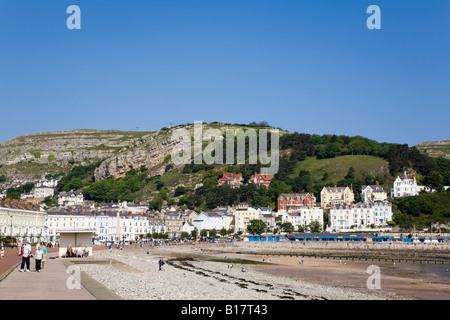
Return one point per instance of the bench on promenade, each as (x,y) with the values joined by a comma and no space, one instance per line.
(75,239)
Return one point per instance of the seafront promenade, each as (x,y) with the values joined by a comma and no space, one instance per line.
(52,283)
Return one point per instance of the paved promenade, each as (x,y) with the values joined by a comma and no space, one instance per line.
(52,283)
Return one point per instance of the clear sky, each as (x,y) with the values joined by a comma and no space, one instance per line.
(310,66)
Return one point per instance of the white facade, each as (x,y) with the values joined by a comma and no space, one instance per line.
(360,215)
(107,227)
(70,199)
(303,217)
(68,222)
(43,192)
(309,215)
(188,227)
(22,222)
(405,186)
(372,193)
(208,221)
(156,225)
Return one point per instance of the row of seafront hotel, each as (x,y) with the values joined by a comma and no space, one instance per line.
(26,220)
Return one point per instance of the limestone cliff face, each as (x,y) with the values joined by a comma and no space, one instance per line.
(435,148)
(56,151)
(151,154)
(118,151)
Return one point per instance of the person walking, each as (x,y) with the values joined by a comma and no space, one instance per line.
(38,258)
(44,250)
(160,263)
(26,256)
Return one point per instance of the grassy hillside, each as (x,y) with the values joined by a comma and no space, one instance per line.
(337,168)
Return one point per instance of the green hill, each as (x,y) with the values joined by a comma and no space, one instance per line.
(336,169)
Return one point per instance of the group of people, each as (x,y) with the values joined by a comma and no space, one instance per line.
(39,256)
(78,252)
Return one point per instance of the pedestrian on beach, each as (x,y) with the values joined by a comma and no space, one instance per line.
(160,263)
(26,256)
(38,258)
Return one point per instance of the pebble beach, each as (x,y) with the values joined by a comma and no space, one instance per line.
(191,273)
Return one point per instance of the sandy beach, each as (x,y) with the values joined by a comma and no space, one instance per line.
(215,273)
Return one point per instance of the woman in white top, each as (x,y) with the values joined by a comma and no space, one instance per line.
(26,256)
(38,258)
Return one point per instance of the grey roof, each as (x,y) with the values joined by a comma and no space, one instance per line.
(296,195)
(212,214)
(375,188)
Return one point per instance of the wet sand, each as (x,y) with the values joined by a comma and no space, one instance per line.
(416,281)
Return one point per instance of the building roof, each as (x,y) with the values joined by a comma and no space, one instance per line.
(212,214)
(70,193)
(362,205)
(336,189)
(20,205)
(294,214)
(289,196)
(261,178)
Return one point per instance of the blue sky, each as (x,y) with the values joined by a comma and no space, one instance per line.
(308,66)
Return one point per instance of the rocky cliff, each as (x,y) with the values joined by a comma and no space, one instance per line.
(118,151)
(435,148)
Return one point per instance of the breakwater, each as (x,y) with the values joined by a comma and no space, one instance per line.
(425,253)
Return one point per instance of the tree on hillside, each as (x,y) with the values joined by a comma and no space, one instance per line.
(434,179)
(350,173)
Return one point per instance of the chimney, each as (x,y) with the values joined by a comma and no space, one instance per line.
(376,182)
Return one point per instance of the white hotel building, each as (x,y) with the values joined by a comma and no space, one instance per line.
(22,220)
(107,226)
(405,186)
(303,217)
(360,215)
